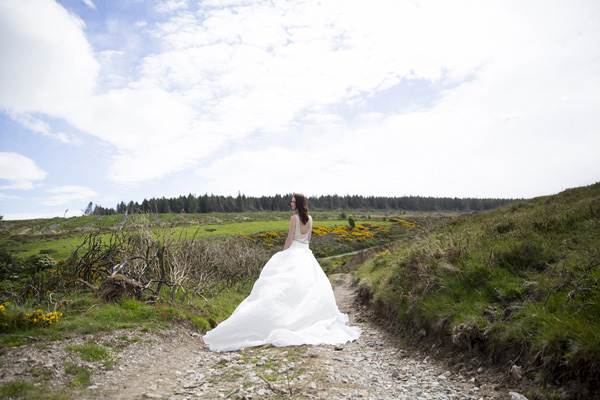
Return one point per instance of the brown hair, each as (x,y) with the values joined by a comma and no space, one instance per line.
(301,207)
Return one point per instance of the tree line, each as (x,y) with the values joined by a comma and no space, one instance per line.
(192,204)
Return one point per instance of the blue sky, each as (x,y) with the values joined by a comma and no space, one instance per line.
(110,101)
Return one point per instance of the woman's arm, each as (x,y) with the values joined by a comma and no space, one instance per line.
(288,241)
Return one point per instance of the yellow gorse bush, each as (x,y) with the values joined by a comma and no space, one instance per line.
(359,233)
(39,318)
(404,223)
(245,236)
(382,254)
(270,238)
(36,318)
(3,323)
(321,230)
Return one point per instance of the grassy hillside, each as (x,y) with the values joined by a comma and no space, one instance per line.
(519,284)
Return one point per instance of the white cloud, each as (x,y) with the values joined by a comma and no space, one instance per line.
(21,171)
(7,196)
(90,4)
(67,194)
(168,6)
(43,128)
(133,119)
(31,215)
(48,66)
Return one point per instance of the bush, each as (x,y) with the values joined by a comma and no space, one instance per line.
(10,266)
(38,263)
(48,251)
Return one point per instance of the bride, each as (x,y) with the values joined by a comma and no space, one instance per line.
(291,303)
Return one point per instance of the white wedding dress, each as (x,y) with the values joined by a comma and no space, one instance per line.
(291,303)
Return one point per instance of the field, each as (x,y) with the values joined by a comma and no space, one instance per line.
(58,237)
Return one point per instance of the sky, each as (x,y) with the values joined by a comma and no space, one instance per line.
(119,100)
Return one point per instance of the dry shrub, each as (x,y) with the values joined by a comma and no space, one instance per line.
(225,261)
(466,336)
(149,258)
(453,254)
(116,287)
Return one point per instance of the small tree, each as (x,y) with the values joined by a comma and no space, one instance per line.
(351,222)
(89,209)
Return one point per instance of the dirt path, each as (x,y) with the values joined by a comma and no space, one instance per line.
(177,365)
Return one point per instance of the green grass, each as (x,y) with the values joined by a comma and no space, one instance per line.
(88,315)
(21,389)
(90,351)
(126,338)
(518,283)
(80,375)
(219,308)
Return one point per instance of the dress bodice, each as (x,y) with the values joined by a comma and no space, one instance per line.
(302,237)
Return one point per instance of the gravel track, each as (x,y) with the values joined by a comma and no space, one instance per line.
(175,364)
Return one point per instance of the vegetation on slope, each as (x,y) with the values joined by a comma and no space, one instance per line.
(520,284)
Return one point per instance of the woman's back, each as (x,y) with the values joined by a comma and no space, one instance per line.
(298,235)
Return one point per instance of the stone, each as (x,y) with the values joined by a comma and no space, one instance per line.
(516,396)
(516,372)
